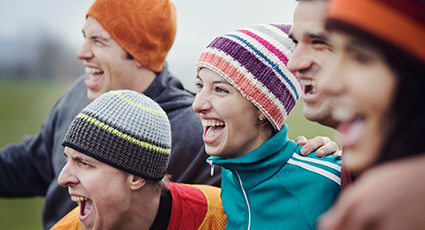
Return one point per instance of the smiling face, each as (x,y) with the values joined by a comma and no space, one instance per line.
(361,86)
(101,191)
(231,122)
(106,62)
(311,53)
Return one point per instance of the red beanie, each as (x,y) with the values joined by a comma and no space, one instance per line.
(144,28)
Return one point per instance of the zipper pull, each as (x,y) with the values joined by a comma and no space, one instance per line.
(212,167)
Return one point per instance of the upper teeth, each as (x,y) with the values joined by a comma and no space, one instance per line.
(77,198)
(212,123)
(93,70)
(307,82)
(342,114)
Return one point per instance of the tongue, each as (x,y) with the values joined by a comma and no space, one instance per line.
(92,79)
(350,132)
(213,132)
(87,206)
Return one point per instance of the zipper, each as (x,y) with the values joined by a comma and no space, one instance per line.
(246,199)
(212,167)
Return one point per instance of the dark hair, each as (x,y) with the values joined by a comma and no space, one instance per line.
(407,113)
(129,57)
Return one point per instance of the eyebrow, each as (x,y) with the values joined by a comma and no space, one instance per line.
(97,37)
(223,81)
(216,81)
(357,43)
(79,158)
(321,36)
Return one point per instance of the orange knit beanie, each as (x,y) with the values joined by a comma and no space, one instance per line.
(396,26)
(144,28)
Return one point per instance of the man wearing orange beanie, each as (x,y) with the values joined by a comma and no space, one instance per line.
(126,43)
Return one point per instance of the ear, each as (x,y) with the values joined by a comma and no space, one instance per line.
(138,64)
(261,116)
(136,182)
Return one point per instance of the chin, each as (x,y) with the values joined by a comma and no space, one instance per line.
(357,161)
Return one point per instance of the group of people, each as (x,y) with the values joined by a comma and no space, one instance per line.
(135,150)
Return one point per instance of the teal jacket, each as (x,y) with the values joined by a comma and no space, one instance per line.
(274,187)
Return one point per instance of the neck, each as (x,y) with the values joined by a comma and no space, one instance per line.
(144,209)
(143,80)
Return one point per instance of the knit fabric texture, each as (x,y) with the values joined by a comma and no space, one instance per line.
(144,28)
(254,60)
(396,27)
(126,130)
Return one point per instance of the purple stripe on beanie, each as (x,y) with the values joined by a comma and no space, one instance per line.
(257,68)
(284,27)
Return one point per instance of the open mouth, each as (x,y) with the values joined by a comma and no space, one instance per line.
(94,70)
(308,85)
(213,130)
(351,128)
(86,205)
(93,77)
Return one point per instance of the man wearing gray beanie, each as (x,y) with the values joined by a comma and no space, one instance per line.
(117,151)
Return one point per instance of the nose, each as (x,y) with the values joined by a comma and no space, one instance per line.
(300,59)
(85,52)
(66,177)
(331,77)
(201,103)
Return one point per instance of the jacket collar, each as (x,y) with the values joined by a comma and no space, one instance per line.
(169,92)
(262,163)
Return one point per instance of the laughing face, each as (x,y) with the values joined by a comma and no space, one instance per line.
(107,63)
(310,55)
(360,85)
(101,191)
(231,122)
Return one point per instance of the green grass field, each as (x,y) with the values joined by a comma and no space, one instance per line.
(23,107)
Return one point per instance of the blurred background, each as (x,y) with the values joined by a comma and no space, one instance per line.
(38,43)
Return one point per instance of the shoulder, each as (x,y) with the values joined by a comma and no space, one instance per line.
(76,93)
(69,222)
(197,204)
(328,167)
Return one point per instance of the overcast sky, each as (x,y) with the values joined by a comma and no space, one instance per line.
(199,21)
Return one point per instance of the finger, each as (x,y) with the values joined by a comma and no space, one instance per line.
(327,149)
(338,153)
(301,140)
(314,144)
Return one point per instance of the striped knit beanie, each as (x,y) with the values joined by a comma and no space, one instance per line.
(144,28)
(397,27)
(126,130)
(253,60)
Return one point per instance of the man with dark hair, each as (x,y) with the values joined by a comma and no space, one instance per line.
(362,204)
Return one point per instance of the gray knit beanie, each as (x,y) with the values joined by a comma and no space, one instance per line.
(126,130)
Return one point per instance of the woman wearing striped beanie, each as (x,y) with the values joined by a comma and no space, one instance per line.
(245,93)
(376,80)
